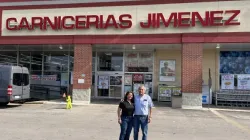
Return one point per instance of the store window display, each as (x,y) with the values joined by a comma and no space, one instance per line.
(235,69)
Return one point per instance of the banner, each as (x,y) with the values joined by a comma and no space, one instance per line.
(167,70)
(44,77)
(227,81)
(243,81)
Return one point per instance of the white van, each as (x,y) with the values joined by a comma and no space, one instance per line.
(14,84)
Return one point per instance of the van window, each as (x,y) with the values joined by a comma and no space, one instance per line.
(17,79)
(25,79)
(20,79)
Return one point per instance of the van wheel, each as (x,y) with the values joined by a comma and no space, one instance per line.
(4,104)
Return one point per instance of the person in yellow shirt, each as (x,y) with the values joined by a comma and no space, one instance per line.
(69,103)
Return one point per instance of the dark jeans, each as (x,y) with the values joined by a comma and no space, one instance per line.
(126,127)
(140,121)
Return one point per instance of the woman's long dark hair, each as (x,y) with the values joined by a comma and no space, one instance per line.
(126,98)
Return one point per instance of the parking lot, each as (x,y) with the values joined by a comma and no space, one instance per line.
(99,122)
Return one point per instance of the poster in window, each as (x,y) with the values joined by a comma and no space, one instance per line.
(243,81)
(138,78)
(128,80)
(227,81)
(167,70)
(103,82)
(115,80)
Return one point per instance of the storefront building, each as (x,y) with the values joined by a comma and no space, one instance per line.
(105,49)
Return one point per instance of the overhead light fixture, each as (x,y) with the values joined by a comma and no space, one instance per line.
(61,47)
(218,46)
(133,47)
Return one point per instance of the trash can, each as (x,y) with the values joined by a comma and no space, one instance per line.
(176,99)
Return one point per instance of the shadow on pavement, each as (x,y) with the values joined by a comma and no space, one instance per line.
(9,106)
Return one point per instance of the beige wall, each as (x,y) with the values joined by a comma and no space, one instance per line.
(161,54)
(210,60)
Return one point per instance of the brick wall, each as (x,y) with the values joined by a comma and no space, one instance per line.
(82,65)
(192,68)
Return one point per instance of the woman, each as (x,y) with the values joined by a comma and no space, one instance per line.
(125,115)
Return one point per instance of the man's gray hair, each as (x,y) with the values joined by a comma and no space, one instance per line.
(142,87)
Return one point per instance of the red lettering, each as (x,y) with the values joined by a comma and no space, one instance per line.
(160,17)
(37,21)
(230,21)
(101,24)
(59,23)
(154,20)
(8,21)
(24,24)
(200,19)
(111,22)
(214,18)
(125,21)
(147,25)
(80,23)
(182,20)
(47,22)
(66,25)
(95,21)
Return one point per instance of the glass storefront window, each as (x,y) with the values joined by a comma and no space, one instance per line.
(8,54)
(110,61)
(56,59)
(71,58)
(139,62)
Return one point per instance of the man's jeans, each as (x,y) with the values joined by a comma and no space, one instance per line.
(140,121)
(126,127)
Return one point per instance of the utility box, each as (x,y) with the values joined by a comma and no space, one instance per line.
(176,97)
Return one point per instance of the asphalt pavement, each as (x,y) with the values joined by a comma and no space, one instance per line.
(99,122)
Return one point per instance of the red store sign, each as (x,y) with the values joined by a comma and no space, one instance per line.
(155,20)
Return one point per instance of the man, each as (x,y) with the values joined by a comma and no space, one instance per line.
(143,113)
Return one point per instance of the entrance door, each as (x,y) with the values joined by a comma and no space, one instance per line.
(110,86)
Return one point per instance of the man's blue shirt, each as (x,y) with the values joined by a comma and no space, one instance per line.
(142,104)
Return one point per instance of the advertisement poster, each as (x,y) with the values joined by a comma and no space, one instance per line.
(128,79)
(165,91)
(44,77)
(167,70)
(103,82)
(148,77)
(138,78)
(176,91)
(227,81)
(115,80)
(243,81)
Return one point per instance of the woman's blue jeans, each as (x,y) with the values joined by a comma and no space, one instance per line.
(126,127)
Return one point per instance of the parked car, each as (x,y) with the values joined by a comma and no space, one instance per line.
(14,84)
